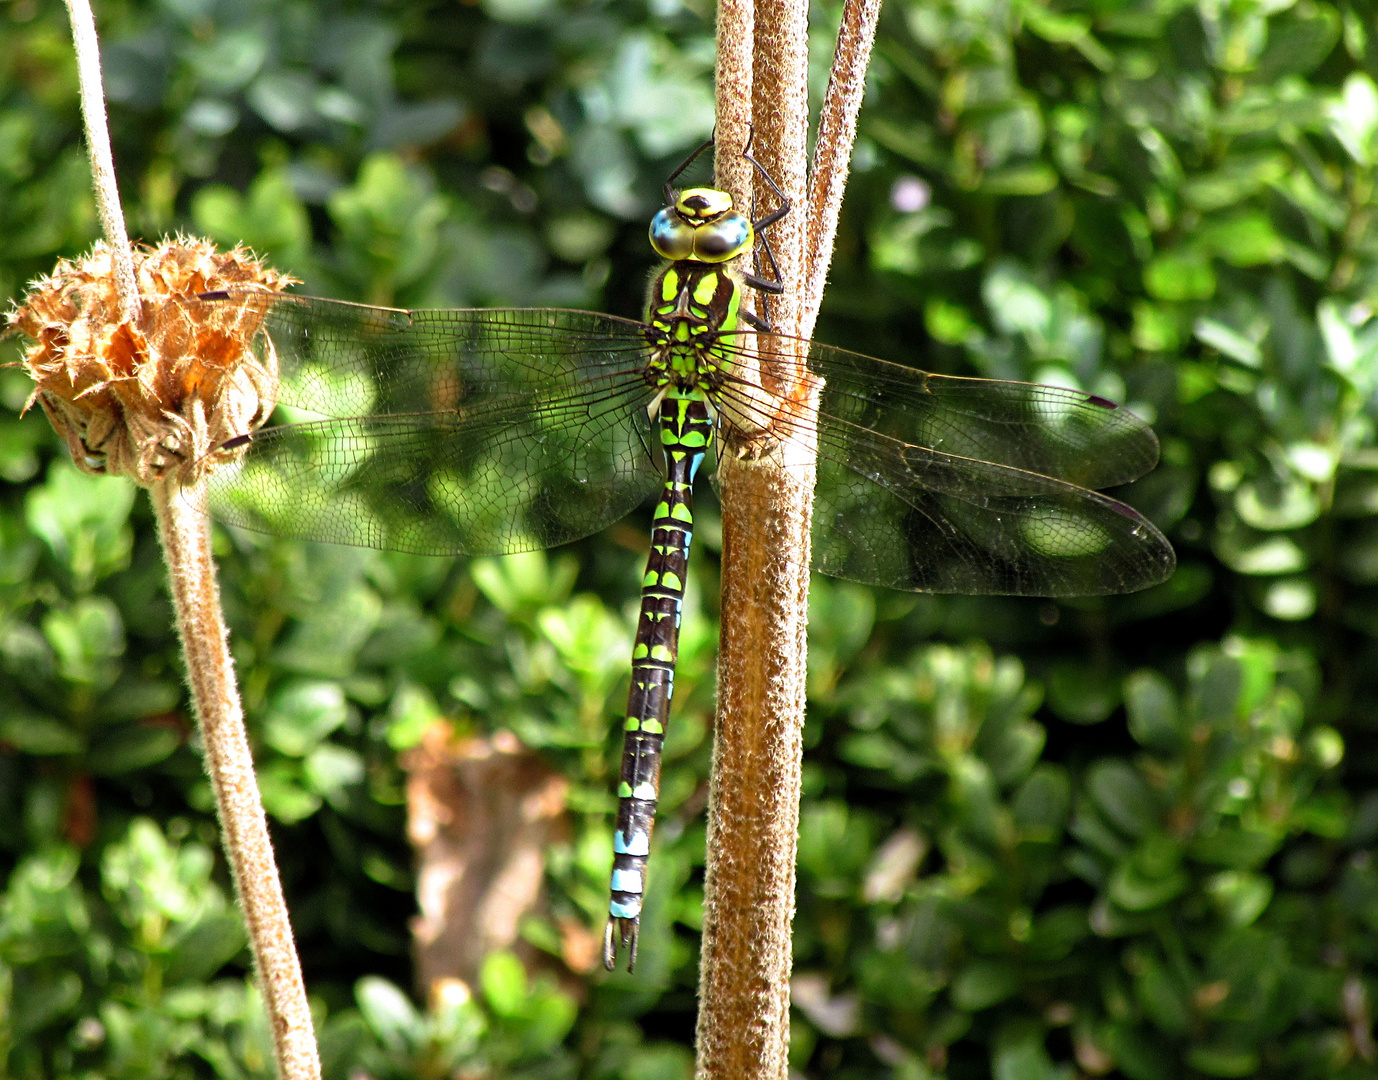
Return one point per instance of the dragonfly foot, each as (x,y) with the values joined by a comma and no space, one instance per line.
(626,931)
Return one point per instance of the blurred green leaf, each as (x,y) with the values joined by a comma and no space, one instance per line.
(1122,796)
(87,639)
(981,984)
(1180,275)
(130,748)
(1082,696)
(390,1016)
(82,519)
(270,219)
(302,714)
(40,736)
(1152,708)
(205,948)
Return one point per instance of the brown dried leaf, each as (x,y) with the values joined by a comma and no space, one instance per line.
(480,813)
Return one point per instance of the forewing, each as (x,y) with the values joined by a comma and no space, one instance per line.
(1051,430)
(444,432)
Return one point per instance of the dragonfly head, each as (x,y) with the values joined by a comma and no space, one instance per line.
(701,226)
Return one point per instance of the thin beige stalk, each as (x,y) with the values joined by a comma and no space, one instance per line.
(87,48)
(780,113)
(184,530)
(832,154)
(736,29)
(185,533)
(743,1025)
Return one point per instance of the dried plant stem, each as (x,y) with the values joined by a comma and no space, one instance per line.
(87,48)
(832,153)
(736,31)
(185,533)
(780,113)
(743,1025)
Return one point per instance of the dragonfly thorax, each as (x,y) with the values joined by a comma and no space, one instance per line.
(691,310)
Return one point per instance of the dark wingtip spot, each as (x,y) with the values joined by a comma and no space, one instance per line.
(236,442)
(218,294)
(1104,403)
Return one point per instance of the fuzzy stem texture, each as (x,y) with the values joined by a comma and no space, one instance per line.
(735,30)
(185,533)
(832,153)
(87,48)
(743,1025)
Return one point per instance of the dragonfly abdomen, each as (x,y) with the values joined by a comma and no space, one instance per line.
(686,428)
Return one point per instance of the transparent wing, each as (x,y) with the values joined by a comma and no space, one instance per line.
(1051,430)
(939,484)
(442,432)
(485,431)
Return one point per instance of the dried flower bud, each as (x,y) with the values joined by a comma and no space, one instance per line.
(148,398)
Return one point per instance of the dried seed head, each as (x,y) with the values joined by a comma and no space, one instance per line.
(151,397)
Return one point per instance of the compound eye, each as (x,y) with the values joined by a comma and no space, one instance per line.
(671,236)
(723,239)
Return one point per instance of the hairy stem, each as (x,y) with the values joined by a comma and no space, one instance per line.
(736,30)
(832,154)
(743,1026)
(184,530)
(87,48)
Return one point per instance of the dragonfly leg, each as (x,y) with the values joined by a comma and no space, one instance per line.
(761,224)
(775,288)
(773,285)
(756,322)
(670,180)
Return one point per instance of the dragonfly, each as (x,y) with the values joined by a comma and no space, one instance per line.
(491,431)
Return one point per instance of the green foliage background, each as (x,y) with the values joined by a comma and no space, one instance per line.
(1131,837)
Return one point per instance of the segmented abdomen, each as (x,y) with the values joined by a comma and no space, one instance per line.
(685,432)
